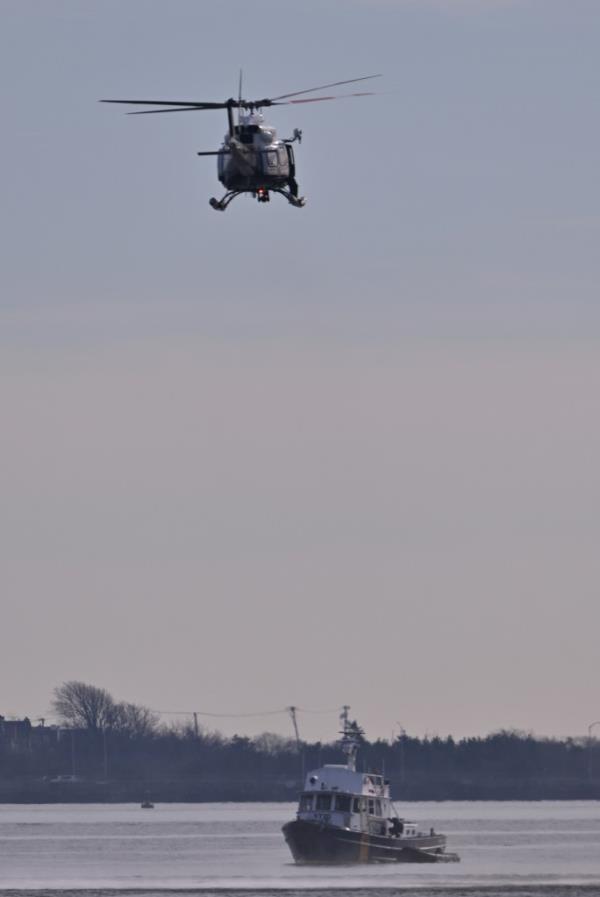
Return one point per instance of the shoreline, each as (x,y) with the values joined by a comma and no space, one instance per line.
(251,791)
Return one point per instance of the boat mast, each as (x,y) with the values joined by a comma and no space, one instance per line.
(350,736)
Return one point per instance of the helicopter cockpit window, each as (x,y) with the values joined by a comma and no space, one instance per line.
(270,157)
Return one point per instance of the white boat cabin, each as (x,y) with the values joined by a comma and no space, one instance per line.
(356,801)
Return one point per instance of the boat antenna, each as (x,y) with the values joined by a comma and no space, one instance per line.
(351,733)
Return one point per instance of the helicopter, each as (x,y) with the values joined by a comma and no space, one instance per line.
(252,159)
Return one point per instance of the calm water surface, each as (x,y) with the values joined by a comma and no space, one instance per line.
(520,848)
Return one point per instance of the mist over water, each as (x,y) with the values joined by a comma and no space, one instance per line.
(506,848)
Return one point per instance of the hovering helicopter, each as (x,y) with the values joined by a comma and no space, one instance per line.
(252,159)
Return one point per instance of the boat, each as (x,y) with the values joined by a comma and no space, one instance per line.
(347,816)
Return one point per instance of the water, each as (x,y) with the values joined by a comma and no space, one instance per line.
(520,849)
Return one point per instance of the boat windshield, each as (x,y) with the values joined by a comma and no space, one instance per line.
(306,803)
(323,801)
(343,802)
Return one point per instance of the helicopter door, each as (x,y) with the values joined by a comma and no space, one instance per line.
(291,160)
(270,162)
(284,165)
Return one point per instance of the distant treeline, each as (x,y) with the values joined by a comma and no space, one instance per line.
(110,751)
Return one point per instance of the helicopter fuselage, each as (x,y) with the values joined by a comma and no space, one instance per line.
(252,158)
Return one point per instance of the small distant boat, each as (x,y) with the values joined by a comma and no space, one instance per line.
(345,816)
(147,804)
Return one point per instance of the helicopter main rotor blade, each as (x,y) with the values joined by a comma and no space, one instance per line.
(297,93)
(188,103)
(258,104)
(339,96)
(177,109)
(283,99)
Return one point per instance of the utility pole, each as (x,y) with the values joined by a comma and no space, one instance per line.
(590,748)
(401,738)
(105,754)
(196,729)
(292,712)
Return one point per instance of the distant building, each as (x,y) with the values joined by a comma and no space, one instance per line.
(45,736)
(15,734)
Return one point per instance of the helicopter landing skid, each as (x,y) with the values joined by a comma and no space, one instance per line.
(221,204)
(297,201)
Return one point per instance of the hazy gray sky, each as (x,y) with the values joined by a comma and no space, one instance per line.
(343,454)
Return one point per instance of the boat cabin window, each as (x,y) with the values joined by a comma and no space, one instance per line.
(358,805)
(342,802)
(306,803)
(323,802)
(374,807)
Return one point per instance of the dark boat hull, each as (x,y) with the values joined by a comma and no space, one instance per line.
(312,842)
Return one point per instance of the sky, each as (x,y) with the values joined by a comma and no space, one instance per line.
(343,454)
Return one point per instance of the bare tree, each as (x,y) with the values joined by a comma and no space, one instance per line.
(83,706)
(272,743)
(135,720)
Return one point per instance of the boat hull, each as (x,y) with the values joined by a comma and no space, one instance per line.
(312,842)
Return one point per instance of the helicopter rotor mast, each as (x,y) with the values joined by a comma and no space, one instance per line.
(230,107)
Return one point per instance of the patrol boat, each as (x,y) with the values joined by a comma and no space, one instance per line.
(346,816)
